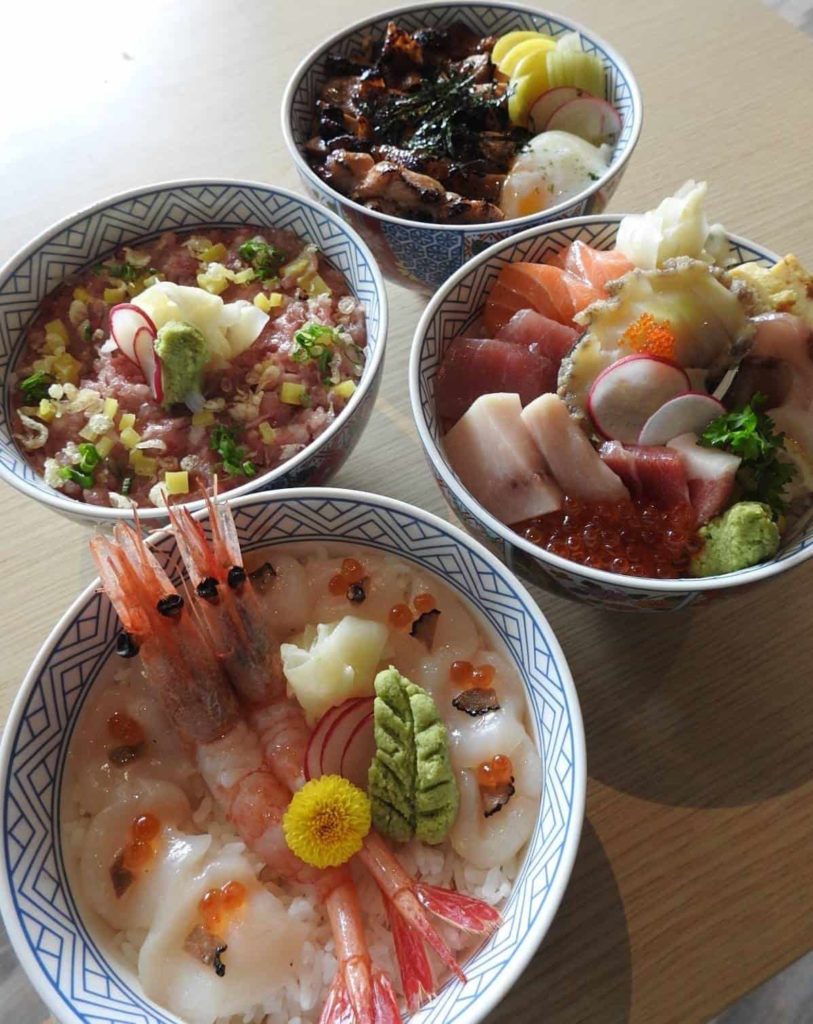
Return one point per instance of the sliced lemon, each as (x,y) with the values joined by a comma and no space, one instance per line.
(540,44)
(504,43)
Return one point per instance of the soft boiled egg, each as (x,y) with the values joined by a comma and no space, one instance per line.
(553,167)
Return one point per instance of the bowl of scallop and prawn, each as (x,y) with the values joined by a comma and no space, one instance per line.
(327,757)
(619,405)
(182,332)
(436,131)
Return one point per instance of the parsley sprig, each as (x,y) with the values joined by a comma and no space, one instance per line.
(749,433)
(233,455)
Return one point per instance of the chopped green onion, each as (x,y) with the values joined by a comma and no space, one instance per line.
(71,473)
(265,259)
(88,332)
(121,271)
(89,457)
(223,441)
(35,387)
(126,484)
(315,342)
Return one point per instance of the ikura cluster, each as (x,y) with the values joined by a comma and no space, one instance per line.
(129,738)
(401,615)
(137,854)
(216,906)
(469,677)
(624,537)
(349,581)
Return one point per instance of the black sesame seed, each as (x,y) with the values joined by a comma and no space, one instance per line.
(126,647)
(207,588)
(236,577)
(170,605)
(356,593)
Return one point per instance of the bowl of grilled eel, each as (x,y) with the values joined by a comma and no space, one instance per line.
(437,131)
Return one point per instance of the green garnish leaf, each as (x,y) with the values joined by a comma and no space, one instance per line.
(316,342)
(224,442)
(89,457)
(263,258)
(77,476)
(749,433)
(35,387)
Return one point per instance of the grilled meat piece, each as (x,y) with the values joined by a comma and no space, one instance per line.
(390,183)
(346,171)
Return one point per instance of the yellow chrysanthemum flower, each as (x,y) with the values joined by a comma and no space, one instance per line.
(327,821)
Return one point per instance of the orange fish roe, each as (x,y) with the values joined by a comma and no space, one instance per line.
(145,827)
(483,676)
(353,571)
(337,585)
(137,855)
(424,602)
(400,616)
(125,729)
(140,848)
(495,773)
(630,538)
(460,673)
(217,905)
(650,336)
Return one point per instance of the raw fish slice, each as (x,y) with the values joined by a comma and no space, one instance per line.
(552,339)
(538,286)
(652,474)
(495,458)
(710,473)
(594,266)
(574,463)
(480,366)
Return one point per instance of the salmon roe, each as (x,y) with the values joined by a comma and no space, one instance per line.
(424,602)
(137,854)
(469,677)
(460,673)
(631,538)
(483,676)
(125,729)
(140,848)
(337,585)
(400,616)
(145,827)
(218,904)
(495,773)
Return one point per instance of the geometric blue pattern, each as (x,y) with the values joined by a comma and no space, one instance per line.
(425,255)
(141,215)
(63,960)
(451,312)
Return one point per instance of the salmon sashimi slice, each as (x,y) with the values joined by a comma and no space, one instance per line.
(593,266)
(473,367)
(550,291)
(552,339)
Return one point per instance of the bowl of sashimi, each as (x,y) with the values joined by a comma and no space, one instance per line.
(621,406)
(182,333)
(310,756)
(436,130)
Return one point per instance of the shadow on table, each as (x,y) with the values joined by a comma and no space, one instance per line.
(590,929)
(700,708)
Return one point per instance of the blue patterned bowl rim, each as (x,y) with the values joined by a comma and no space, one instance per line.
(781,563)
(568,24)
(522,945)
(372,365)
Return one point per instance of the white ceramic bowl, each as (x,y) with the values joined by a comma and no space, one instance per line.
(456,306)
(140,215)
(82,981)
(422,255)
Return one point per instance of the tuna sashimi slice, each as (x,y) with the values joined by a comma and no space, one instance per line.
(595,266)
(480,366)
(654,475)
(496,460)
(573,462)
(552,339)
(711,474)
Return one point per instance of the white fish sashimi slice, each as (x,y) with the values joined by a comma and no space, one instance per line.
(687,414)
(628,392)
(264,947)
(493,454)
(575,464)
(710,474)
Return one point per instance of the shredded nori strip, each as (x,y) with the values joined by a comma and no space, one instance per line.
(424,628)
(121,877)
(476,701)
(495,799)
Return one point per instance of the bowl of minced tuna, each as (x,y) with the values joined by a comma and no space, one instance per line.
(231,338)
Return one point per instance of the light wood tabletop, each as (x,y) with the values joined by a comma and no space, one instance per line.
(694,881)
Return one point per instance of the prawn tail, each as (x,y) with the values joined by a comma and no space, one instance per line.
(386,1004)
(413,962)
(464,912)
(338,1008)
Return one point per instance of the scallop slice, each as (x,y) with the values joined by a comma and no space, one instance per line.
(474,739)
(263,947)
(386,584)
(456,638)
(489,842)
(286,595)
(130,900)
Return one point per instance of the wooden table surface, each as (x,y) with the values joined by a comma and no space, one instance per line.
(694,881)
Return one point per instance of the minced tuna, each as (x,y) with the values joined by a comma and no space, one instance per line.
(96,424)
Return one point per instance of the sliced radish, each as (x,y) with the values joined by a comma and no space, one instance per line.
(359,752)
(341,736)
(628,392)
(148,361)
(126,320)
(687,414)
(590,118)
(548,103)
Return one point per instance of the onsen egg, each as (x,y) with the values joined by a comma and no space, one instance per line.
(554,166)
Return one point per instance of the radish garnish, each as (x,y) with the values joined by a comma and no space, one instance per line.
(342,742)
(687,414)
(628,392)
(590,118)
(126,320)
(148,361)
(548,103)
